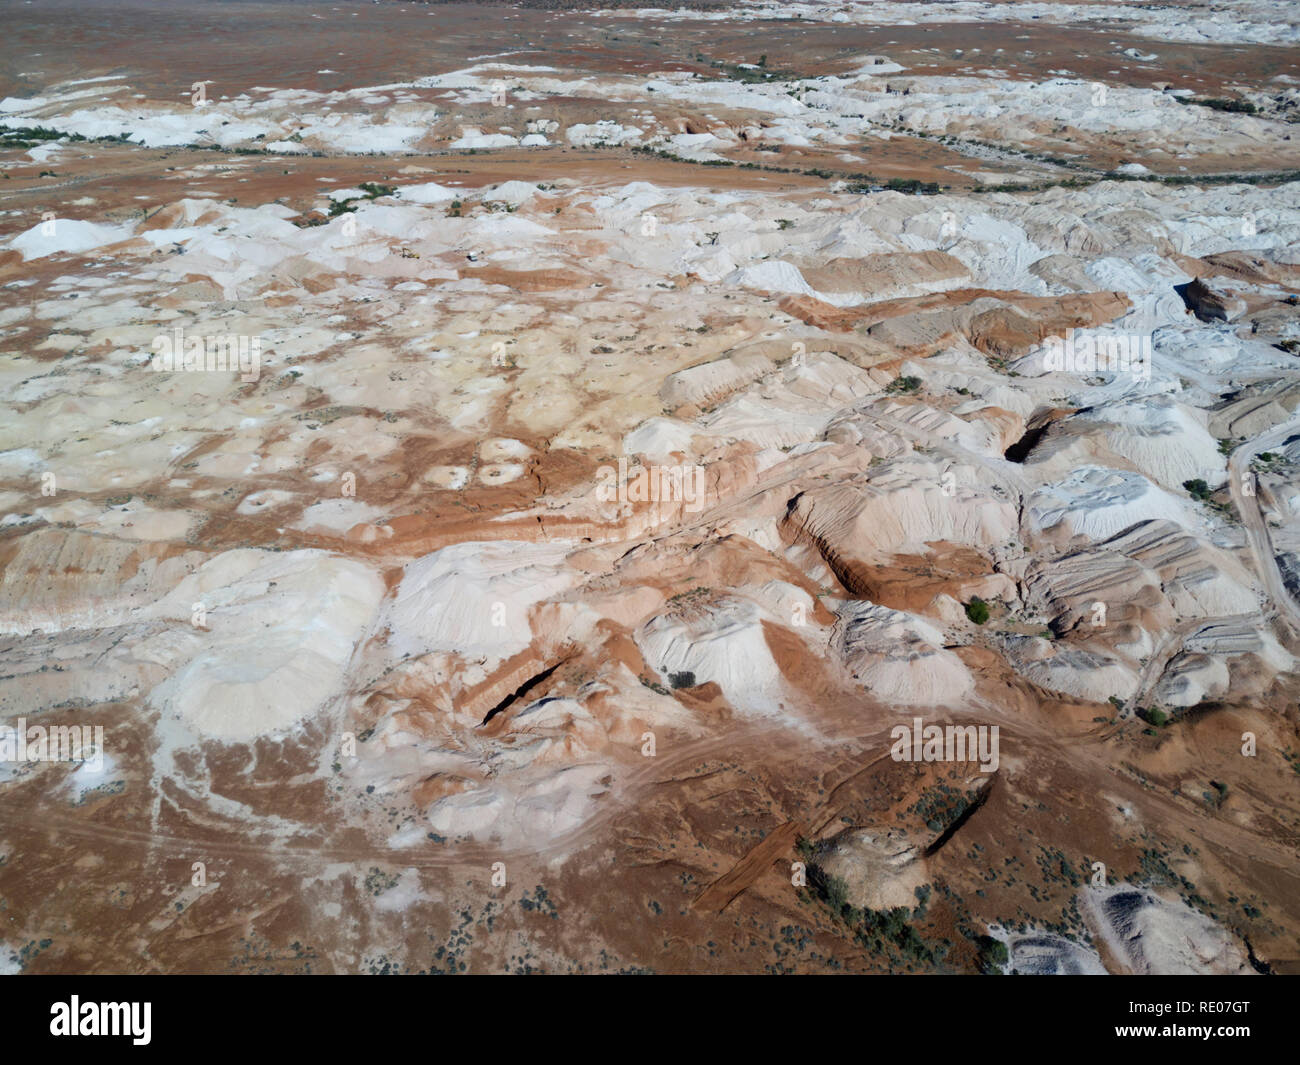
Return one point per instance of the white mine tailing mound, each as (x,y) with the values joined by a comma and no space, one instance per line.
(1190,679)
(853,427)
(429,192)
(566,720)
(514,193)
(281,630)
(1097,502)
(772,419)
(1240,636)
(1199,579)
(1156,936)
(777,275)
(899,657)
(901,509)
(1046,954)
(541,809)
(825,376)
(854,235)
(1070,586)
(722,643)
(66,235)
(711,381)
(794,405)
(1202,671)
(1165,440)
(658,438)
(1075,671)
(473,598)
(974,436)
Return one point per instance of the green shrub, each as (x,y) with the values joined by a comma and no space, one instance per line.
(991,955)
(903,384)
(977,610)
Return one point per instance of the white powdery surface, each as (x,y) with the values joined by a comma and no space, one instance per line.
(659,438)
(903,508)
(1202,670)
(1072,670)
(430,192)
(1068,587)
(899,657)
(1036,953)
(473,598)
(543,809)
(794,408)
(1190,679)
(66,235)
(1097,502)
(473,137)
(1199,579)
(723,644)
(773,276)
(1165,440)
(515,193)
(1156,936)
(280,632)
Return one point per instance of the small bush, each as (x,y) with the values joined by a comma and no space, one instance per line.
(992,955)
(1242,107)
(977,610)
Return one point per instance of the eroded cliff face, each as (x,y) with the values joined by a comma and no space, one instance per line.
(604,517)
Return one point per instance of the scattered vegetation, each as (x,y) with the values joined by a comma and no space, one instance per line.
(654,686)
(1153,716)
(990,955)
(903,384)
(377,882)
(370,191)
(691,597)
(941,807)
(885,932)
(1219,103)
(914,186)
